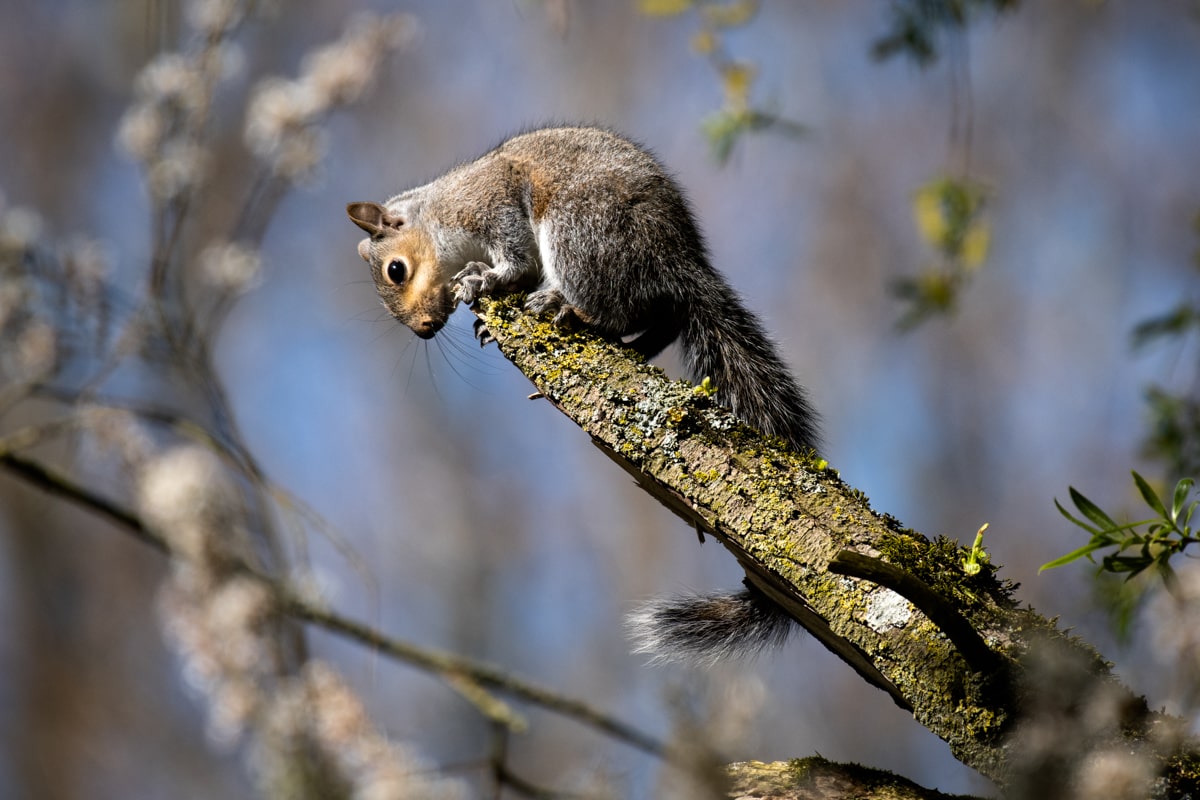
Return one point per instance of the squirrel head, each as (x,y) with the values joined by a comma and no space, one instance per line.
(405,268)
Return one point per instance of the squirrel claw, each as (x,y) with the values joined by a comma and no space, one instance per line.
(482,333)
(470,289)
(472,269)
(472,282)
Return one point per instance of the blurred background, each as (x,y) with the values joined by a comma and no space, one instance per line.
(489,525)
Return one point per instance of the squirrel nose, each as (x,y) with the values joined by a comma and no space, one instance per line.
(426,328)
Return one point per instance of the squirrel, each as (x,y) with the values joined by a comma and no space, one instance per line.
(596,230)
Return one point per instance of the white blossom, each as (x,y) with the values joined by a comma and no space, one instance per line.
(282,115)
(141,131)
(36,350)
(229,266)
(118,429)
(1115,774)
(20,229)
(214,17)
(13,297)
(180,167)
(184,494)
(172,78)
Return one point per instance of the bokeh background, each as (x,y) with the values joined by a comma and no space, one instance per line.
(488,524)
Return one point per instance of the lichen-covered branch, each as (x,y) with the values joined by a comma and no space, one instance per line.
(786,517)
(814,778)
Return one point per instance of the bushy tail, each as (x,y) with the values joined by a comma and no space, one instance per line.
(726,343)
(706,629)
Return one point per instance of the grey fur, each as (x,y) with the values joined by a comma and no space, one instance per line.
(703,629)
(597,228)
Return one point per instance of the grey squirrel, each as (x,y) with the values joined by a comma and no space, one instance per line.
(601,235)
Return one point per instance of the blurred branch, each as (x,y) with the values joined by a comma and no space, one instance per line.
(467,677)
(60,485)
(235,453)
(447,665)
(785,518)
(504,777)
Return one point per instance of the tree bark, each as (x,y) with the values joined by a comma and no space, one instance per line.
(814,778)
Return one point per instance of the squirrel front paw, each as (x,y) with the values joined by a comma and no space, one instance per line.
(475,280)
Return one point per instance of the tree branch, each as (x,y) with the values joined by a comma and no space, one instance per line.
(815,778)
(786,517)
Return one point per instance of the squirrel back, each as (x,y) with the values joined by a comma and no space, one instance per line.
(595,226)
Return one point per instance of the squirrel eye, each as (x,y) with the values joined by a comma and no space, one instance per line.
(396,271)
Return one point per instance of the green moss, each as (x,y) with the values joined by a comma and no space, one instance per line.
(799,769)
(938,563)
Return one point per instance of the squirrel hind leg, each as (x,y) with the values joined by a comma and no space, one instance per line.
(705,629)
(552,301)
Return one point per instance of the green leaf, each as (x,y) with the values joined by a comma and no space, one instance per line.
(1182,490)
(977,556)
(757,120)
(1079,522)
(1149,495)
(1091,510)
(1169,579)
(1074,555)
(1131,564)
(723,129)
(1173,430)
(1137,545)
(1120,601)
(1172,323)
(1187,520)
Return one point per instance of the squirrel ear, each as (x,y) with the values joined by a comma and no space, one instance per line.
(368,216)
(373,218)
